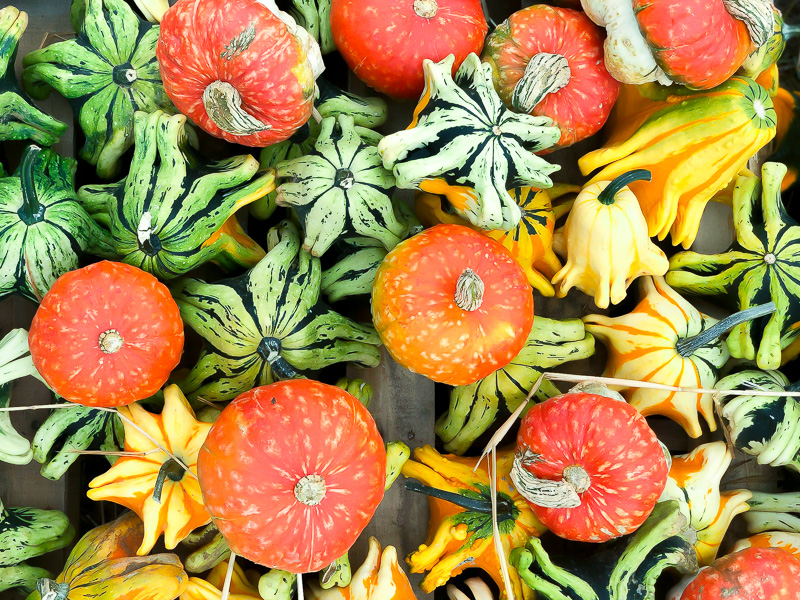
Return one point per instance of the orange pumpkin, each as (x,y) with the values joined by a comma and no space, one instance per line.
(452,305)
(106,335)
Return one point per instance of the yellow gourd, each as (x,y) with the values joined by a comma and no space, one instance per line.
(693,143)
(606,242)
(154,485)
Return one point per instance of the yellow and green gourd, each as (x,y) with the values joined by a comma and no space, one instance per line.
(26,533)
(474,407)
(693,143)
(625,569)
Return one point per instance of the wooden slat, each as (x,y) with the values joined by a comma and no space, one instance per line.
(24,485)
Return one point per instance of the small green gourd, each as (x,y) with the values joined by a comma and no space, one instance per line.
(108,72)
(19,118)
(43,229)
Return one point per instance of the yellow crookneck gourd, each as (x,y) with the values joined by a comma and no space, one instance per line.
(460,535)
(693,143)
(530,242)
(606,243)
(694,481)
(152,484)
(379,577)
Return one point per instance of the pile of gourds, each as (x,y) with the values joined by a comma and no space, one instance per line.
(229,444)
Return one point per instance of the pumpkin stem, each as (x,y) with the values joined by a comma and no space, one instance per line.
(426,9)
(504,507)
(110,341)
(223,104)
(609,193)
(31,211)
(546,492)
(757,16)
(688,346)
(52,590)
(469,290)
(169,469)
(544,74)
(310,490)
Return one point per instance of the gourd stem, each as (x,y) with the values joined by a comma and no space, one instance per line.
(31,211)
(790,31)
(471,504)
(469,290)
(50,589)
(687,346)
(607,195)
(169,469)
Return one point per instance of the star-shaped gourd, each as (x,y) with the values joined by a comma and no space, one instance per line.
(268,324)
(465,144)
(108,72)
(154,485)
(43,228)
(340,189)
(694,481)
(21,120)
(644,346)
(762,265)
(474,407)
(460,532)
(174,211)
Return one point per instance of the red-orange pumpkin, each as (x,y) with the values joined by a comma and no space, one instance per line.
(106,335)
(698,43)
(236,70)
(452,304)
(291,473)
(589,465)
(385,41)
(549,62)
(750,574)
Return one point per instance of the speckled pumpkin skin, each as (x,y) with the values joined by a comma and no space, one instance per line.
(244,44)
(614,445)
(82,304)
(750,574)
(697,42)
(385,41)
(580,108)
(262,444)
(417,319)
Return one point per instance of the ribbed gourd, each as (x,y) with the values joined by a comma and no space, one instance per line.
(108,72)
(693,143)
